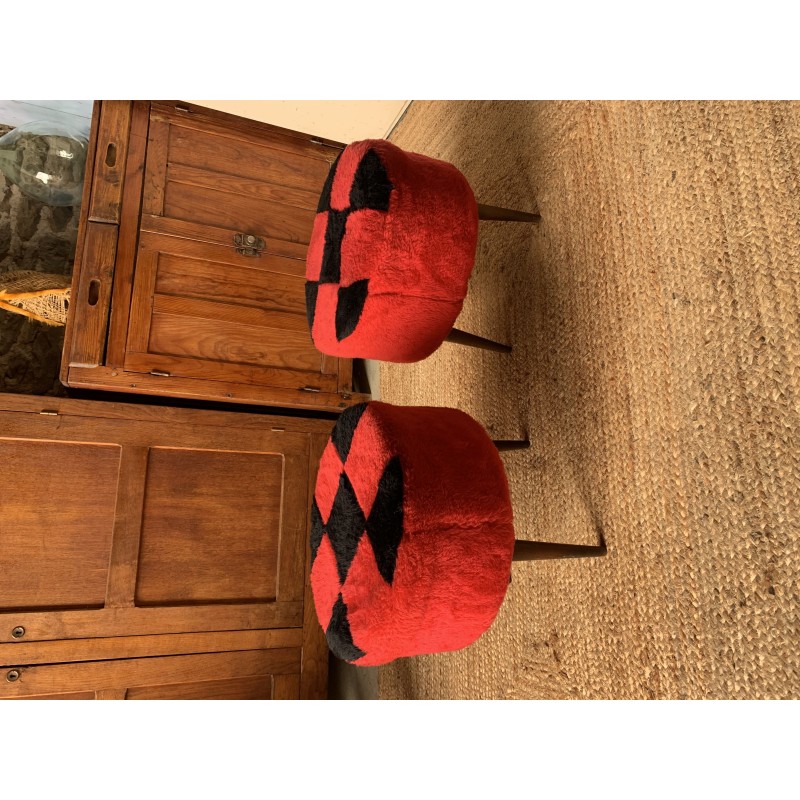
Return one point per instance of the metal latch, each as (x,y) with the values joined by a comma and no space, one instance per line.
(248,245)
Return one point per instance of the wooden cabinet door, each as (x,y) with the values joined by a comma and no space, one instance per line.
(267,674)
(151,525)
(202,308)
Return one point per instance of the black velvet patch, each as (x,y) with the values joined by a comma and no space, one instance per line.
(340,639)
(331,271)
(345,428)
(371,185)
(385,523)
(312,288)
(325,198)
(317,530)
(349,305)
(345,526)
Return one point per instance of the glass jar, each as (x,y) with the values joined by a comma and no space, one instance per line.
(47,160)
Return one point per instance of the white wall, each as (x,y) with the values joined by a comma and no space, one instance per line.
(341,120)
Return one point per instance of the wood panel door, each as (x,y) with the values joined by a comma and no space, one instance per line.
(121,527)
(266,674)
(203,307)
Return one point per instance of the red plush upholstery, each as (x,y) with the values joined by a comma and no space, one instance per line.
(412,533)
(391,253)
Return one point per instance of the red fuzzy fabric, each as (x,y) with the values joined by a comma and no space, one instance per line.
(454,558)
(417,256)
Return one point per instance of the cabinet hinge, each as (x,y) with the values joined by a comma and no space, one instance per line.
(49,412)
(310,389)
(160,374)
(334,147)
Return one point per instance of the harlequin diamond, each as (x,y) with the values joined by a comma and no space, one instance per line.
(345,526)
(345,428)
(346,523)
(340,640)
(317,529)
(385,523)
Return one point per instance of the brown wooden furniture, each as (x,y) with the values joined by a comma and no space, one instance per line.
(190,268)
(156,552)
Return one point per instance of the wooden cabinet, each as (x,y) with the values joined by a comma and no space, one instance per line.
(110,669)
(189,277)
(156,552)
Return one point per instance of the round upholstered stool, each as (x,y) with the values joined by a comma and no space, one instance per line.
(412,534)
(391,253)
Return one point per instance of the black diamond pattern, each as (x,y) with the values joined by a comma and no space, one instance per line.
(371,189)
(349,305)
(325,198)
(385,523)
(345,428)
(371,186)
(317,530)
(345,526)
(340,639)
(347,522)
(311,301)
(331,271)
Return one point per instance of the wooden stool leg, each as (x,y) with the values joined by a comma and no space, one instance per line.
(535,551)
(471,340)
(516,444)
(505,214)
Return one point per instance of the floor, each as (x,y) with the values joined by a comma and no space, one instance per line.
(653,314)
(347,682)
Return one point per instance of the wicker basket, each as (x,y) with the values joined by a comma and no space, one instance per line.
(38,295)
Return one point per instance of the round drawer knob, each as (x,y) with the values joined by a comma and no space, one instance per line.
(18,632)
(12,675)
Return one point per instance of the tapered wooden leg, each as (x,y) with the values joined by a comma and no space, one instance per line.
(516,444)
(505,214)
(471,340)
(535,551)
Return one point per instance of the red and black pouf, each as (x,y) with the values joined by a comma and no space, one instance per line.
(412,533)
(391,253)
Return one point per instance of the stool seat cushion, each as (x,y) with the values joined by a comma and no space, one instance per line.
(391,252)
(412,533)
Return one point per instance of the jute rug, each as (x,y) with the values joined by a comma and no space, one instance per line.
(654,318)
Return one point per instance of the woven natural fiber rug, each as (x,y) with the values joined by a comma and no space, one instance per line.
(656,370)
